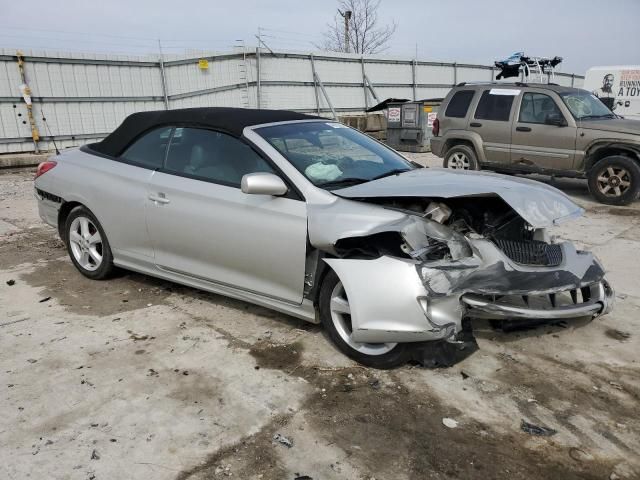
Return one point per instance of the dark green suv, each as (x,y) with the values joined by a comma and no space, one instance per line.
(540,128)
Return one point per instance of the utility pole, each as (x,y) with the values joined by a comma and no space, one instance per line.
(347,16)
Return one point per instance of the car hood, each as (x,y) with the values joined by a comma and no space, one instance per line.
(619,125)
(539,204)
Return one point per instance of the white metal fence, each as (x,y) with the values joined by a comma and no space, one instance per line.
(84,97)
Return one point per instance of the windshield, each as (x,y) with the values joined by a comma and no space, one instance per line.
(331,155)
(584,105)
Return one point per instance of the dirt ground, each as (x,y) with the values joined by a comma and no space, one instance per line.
(140,378)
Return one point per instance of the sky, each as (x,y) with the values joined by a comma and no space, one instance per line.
(585,32)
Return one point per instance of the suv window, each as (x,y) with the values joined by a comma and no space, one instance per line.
(494,107)
(149,150)
(459,104)
(212,156)
(536,106)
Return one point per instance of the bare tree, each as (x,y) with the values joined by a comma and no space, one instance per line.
(363,33)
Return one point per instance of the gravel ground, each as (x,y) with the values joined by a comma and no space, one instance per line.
(140,378)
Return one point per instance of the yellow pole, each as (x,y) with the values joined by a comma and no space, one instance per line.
(35,135)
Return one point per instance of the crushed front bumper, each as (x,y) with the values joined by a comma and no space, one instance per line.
(592,300)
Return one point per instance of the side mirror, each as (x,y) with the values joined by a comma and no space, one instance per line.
(555,119)
(263,183)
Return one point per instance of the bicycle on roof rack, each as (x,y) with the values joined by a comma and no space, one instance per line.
(530,69)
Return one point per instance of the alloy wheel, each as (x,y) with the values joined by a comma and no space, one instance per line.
(614,181)
(459,161)
(341,317)
(86,243)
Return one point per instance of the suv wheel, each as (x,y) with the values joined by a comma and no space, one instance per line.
(461,157)
(615,180)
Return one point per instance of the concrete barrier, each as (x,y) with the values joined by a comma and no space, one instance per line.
(22,160)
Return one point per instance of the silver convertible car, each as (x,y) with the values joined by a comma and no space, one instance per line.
(317,220)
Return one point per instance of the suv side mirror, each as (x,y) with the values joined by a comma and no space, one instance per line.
(263,183)
(555,119)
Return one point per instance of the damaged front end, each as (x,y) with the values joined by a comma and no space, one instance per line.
(424,266)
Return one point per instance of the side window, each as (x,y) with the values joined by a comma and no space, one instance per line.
(149,150)
(459,104)
(213,156)
(494,107)
(536,106)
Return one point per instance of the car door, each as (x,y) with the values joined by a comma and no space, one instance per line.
(538,143)
(492,121)
(116,191)
(202,225)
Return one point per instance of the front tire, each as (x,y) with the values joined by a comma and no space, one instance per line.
(336,318)
(615,180)
(461,157)
(87,244)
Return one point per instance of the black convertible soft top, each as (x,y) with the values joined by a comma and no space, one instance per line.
(228,120)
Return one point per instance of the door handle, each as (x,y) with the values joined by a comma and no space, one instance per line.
(475,124)
(160,198)
(523,129)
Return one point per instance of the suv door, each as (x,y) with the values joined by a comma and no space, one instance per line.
(492,121)
(535,142)
(202,225)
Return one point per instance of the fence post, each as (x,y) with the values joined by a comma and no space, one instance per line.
(258,93)
(164,79)
(413,78)
(315,83)
(364,85)
(455,73)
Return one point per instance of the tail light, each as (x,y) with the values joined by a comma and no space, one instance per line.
(435,129)
(44,167)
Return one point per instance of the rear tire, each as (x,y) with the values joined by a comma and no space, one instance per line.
(615,180)
(336,319)
(87,244)
(461,157)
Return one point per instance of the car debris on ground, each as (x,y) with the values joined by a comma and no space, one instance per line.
(537,430)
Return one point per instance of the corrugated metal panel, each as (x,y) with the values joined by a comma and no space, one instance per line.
(332,71)
(424,93)
(295,69)
(388,73)
(434,74)
(470,74)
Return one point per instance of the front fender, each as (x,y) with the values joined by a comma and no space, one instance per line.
(388,301)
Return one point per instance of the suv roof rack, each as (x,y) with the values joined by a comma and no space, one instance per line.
(504,84)
(529,69)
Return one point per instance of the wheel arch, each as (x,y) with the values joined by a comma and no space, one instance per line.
(470,139)
(600,150)
(63,214)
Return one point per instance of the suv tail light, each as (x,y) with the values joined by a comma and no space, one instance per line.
(435,129)
(44,167)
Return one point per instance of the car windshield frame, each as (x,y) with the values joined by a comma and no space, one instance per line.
(597,109)
(323,152)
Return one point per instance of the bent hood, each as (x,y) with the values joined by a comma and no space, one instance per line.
(618,125)
(538,204)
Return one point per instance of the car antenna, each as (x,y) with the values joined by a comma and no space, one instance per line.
(44,119)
